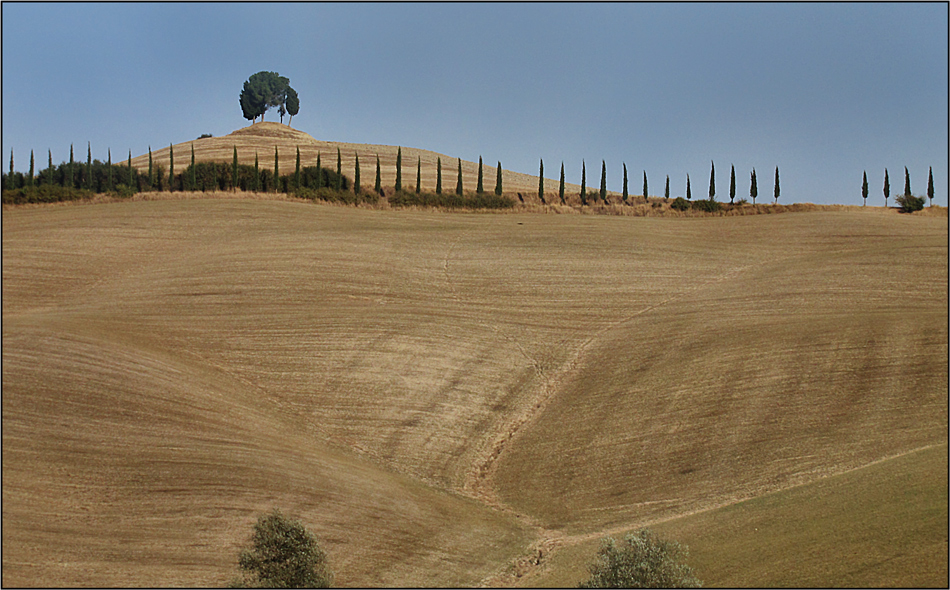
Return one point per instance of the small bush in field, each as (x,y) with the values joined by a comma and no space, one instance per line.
(283,554)
(680,204)
(709,206)
(910,203)
(641,560)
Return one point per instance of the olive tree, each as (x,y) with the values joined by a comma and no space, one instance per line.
(283,554)
(641,560)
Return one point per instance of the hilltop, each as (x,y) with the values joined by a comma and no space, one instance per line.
(261,139)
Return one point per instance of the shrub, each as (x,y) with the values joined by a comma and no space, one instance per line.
(44,193)
(909,203)
(283,554)
(680,204)
(642,560)
(709,206)
(451,201)
(334,196)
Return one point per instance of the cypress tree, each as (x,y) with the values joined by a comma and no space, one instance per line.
(356,175)
(732,184)
(234,170)
(458,185)
(480,188)
(320,171)
(88,182)
(625,192)
(31,169)
(560,189)
(645,191)
(689,194)
(864,189)
(257,174)
(541,182)
(171,167)
(399,170)
(583,182)
(438,180)
(109,164)
(887,187)
(379,186)
(69,170)
(419,175)
(339,170)
(777,191)
(10,177)
(194,173)
(603,180)
(276,171)
(666,192)
(498,180)
(214,177)
(131,175)
(930,186)
(753,187)
(49,180)
(712,182)
(906,182)
(297,170)
(151,170)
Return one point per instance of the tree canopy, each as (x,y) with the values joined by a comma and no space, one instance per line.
(264,90)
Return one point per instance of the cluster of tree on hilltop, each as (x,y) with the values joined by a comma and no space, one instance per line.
(264,90)
(907,201)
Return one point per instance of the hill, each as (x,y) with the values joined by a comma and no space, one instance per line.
(262,138)
(444,399)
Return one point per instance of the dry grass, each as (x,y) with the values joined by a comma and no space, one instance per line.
(439,394)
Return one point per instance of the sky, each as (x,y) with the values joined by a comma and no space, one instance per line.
(822,91)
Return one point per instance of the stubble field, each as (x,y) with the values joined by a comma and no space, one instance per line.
(450,399)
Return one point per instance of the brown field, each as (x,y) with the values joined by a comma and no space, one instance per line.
(457,399)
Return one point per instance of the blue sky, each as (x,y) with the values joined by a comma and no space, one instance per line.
(823,91)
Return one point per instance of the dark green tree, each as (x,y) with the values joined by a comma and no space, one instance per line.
(49,169)
(283,554)
(864,188)
(171,167)
(645,190)
(257,174)
(712,182)
(603,180)
(626,194)
(930,186)
(297,172)
(777,191)
(419,175)
(30,178)
(583,182)
(151,170)
(906,182)
(293,104)
(379,186)
(732,184)
(88,179)
(234,170)
(887,187)
(264,90)
(458,185)
(399,170)
(69,169)
(356,175)
(560,189)
(276,171)
(641,560)
(194,177)
(320,173)
(753,188)
(438,179)
(689,193)
(666,192)
(339,170)
(10,179)
(498,180)
(541,181)
(109,167)
(131,175)
(480,188)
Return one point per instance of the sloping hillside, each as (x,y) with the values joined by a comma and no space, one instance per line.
(442,398)
(262,138)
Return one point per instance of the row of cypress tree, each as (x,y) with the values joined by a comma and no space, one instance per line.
(907,193)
